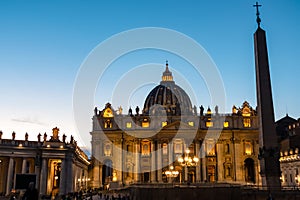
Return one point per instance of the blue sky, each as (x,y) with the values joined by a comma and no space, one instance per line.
(44,43)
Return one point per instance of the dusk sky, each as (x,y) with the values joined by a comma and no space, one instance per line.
(43,44)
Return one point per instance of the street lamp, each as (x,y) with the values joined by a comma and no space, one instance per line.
(187,160)
(171,173)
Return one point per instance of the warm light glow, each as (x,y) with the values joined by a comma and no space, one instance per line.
(187,151)
(247,122)
(164,124)
(108,113)
(196,159)
(145,124)
(180,159)
(79,180)
(61,146)
(171,167)
(20,145)
(128,125)
(248,148)
(48,145)
(56,177)
(225,124)
(191,123)
(209,124)
(114,177)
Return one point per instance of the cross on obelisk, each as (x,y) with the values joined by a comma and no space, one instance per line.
(268,141)
(258,20)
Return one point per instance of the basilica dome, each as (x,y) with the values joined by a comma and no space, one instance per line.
(168,97)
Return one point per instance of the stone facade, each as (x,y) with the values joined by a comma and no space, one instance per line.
(57,166)
(290,157)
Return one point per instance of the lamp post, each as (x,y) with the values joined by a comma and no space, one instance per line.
(171,173)
(187,160)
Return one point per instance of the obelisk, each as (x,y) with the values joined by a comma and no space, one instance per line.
(268,141)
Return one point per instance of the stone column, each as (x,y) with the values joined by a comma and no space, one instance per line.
(100,177)
(203,159)
(10,176)
(153,162)
(137,162)
(96,173)
(24,162)
(159,162)
(44,177)
(38,174)
(63,177)
(186,173)
(171,153)
(197,148)
(70,179)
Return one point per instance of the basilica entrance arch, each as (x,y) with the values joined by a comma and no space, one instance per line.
(107,171)
(249,170)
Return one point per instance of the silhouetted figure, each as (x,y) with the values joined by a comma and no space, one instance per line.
(39,137)
(13,135)
(195,110)
(137,110)
(1,133)
(72,139)
(201,110)
(31,193)
(96,111)
(26,136)
(45,137)
(130,111)
(64,138)
(217,110)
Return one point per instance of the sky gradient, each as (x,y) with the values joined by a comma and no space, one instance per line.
(44,43)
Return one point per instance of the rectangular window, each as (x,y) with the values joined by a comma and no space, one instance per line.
(178,148)
(210,149)
(128,125)
(165,149)
(145,124)
(145,148)
(226,124)
(247,122)
(209,124)
(248,148)
(107,149)
(191,123)
(164,124)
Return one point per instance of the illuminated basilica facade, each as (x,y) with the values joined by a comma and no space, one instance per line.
(140,147)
